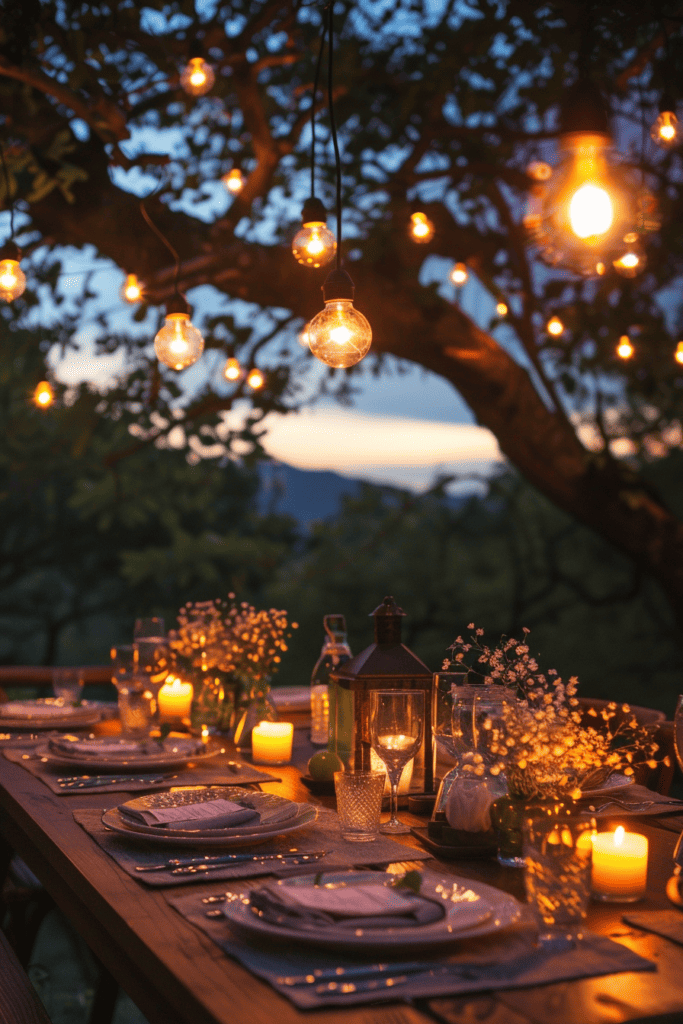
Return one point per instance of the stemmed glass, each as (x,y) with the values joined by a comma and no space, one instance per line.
(397,721)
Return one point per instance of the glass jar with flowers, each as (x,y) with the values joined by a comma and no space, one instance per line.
(231,650)
(539,741)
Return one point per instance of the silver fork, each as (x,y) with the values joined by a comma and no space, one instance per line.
(641,805)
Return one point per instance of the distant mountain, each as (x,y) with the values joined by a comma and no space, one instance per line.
(310,495)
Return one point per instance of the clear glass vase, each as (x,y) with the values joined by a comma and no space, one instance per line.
(213,702)
(260,708)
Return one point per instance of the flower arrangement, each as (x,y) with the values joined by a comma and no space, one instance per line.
(231,637)
(541,741)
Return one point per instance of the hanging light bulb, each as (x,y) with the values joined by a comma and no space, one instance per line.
(339,335)
(501,309)
(314,244)
(178,344)
(197,77)
(233,181)
(678,354)
(43,396)
(12,277)
(232,369)
(255,379)
(539,170)
(624,348)
(459,274)
(665,131)
(132,291)
(633,259)
(555,326)
(421,228)
(578,217)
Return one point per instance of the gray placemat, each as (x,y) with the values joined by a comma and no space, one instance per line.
(503,960)
(215,772)
(668,923)
(323,835)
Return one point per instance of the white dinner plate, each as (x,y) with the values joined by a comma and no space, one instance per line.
(471,909)
(613,784)
(268,804)
(46,713)
(173,756)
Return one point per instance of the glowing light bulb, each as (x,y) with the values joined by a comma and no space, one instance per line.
(459,274)
(625,349)
(314,245)
(255,379)
(178,344)
(12,280)
(539,170)
(555,326)
(232,369)
(421,229)
(43,396)
(590,212)
(197,77)
(665,130)
(678,354)
(132,290)
(633,259)
(339,335)
(234,181)
(600,268)
(501,309)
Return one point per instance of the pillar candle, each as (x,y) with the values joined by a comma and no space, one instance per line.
(271,742)
(619,866)
(175,698)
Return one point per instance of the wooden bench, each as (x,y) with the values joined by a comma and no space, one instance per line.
(19,1002)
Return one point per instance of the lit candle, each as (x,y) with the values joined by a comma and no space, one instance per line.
(271,742)
(619,866)
(175,698)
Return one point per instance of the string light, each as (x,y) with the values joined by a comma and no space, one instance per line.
(178,344)
(232,369)
(43,396)
(539,170)
(338,335)
(197,77)
(678,354)
(233,181)
(314,244)
(459,274)
(555,326)
(12,277)
(632,261)
(665,131)
(580,215)
(624,348)
(255,379)
(501,309)
(132,291)
(421,228)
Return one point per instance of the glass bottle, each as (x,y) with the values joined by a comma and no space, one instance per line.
(328,701)
(335,651)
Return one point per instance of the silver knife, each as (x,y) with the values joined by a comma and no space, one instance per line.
(223,859)
(285,858)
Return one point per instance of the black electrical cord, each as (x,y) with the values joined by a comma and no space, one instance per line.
(313,99)
(10,201)
(160,235)
(330,107)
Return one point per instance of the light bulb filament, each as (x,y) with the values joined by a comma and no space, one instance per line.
(590,212)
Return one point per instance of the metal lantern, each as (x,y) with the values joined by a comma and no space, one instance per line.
(387,664)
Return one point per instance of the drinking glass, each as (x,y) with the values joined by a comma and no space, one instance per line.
(152,646)
(558,849)
(137,702)
(359,804)
(396,722)
(124,662)
(67,685)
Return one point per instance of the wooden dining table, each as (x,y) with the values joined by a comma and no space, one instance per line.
(177,975)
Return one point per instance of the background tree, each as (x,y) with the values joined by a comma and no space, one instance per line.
(443,103)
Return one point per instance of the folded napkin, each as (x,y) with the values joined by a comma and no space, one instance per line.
(363,906)
(199,817)
(104,747)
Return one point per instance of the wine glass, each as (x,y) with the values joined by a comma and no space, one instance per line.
(397,721)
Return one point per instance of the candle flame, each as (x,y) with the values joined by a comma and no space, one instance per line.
(619,834)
